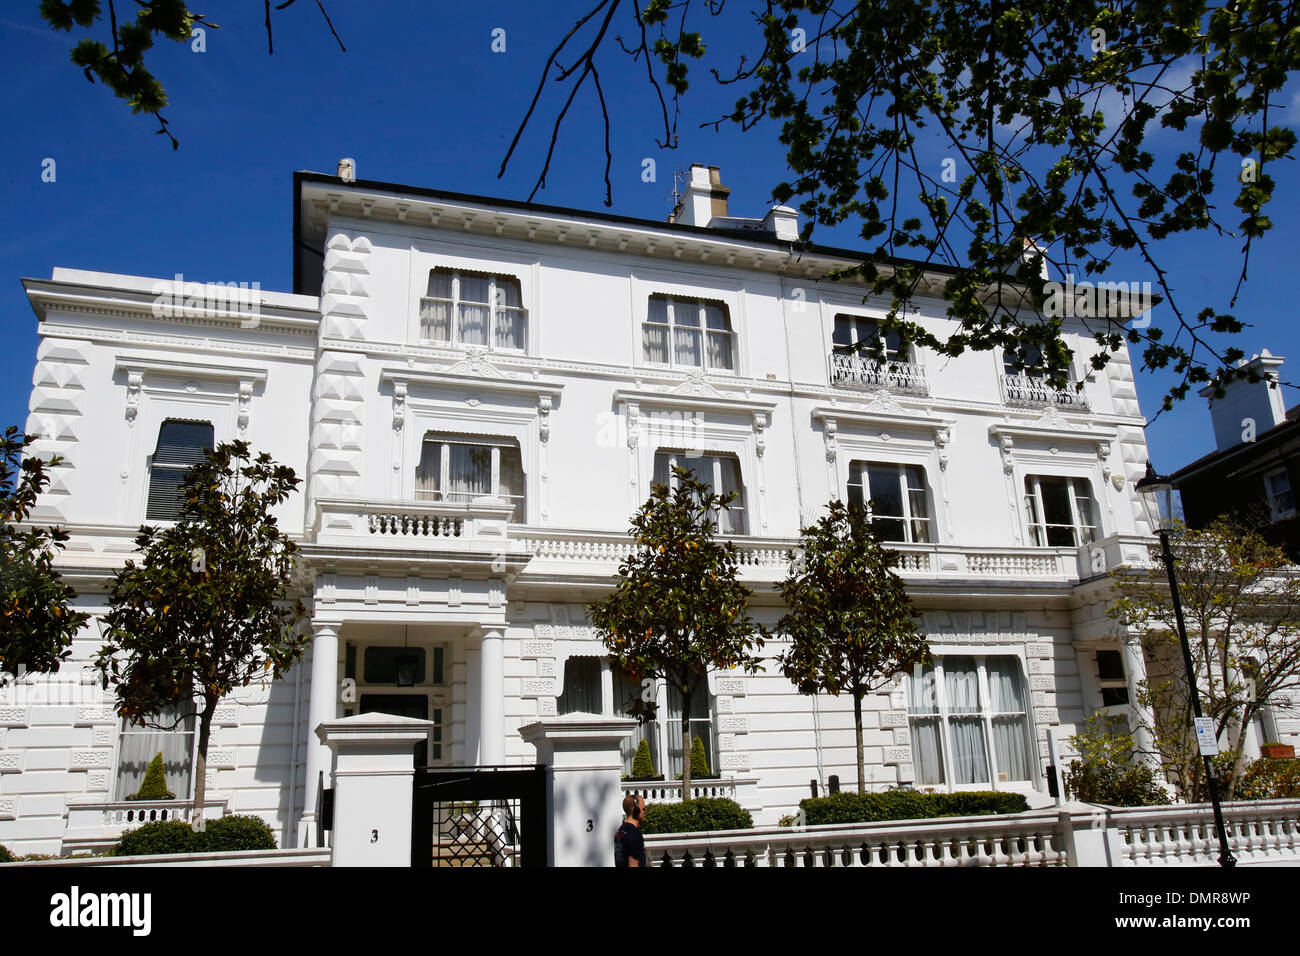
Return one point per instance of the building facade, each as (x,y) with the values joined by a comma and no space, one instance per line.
(479,394)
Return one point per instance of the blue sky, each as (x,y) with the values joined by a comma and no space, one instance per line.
(418,98)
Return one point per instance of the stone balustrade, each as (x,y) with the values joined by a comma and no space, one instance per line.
(1258,831)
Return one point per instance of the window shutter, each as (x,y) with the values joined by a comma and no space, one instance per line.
(181,444)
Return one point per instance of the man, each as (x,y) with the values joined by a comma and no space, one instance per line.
(629,845)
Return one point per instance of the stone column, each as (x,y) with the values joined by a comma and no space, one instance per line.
(492,697)
(321,707)
(373,769)
(584,792)
(1135,670)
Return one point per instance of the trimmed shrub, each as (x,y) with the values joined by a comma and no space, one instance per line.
(176,836)
(161,836)
(1275,778)
(238,833)
(643,767)
(699,760)
(5,855)
(704,813)
(154,786)
(907,805)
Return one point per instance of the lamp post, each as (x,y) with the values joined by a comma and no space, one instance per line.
(1158,498)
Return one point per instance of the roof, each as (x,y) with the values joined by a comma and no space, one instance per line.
(1241,455)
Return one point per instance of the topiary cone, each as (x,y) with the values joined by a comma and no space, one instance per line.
(699,760)
(154,786)
(642,766)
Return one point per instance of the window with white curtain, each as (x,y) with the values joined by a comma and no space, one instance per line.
(1060,512)
(688,332)
(181,445)
(459,468)
(139,745)
(701,725)
(899,502)
(473,308)
(627,690)
(969,722)
(584,691)
(719,472)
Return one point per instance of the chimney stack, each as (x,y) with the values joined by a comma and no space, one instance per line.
(1248,407)
(705,198)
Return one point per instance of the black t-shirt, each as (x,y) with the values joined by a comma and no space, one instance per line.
(629,845)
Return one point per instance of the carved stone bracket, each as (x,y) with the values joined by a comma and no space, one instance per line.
(399,405)
(134,382)
(245,401)
(544,417)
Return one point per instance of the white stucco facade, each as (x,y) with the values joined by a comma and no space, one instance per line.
(376,394)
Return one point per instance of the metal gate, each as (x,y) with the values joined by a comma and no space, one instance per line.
(479,816)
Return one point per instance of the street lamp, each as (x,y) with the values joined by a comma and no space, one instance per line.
(1158,498)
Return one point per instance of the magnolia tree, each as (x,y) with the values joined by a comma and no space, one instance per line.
(36,620)
(1241,605)
(204,612)
(850,622)
(678,611)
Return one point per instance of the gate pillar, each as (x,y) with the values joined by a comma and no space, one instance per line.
(584,792)
(373,768)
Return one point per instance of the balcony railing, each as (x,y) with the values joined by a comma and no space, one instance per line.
(414,525)
(766,559)
(96,824)
(1033,391)
(864,372)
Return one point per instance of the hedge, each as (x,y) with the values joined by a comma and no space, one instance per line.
(238,833)
(1269,778)
(176,836)
(161,836)
(907,805)
(5,855)
(702,813)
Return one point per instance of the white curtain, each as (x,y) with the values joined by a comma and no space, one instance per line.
(663,474)
(686,334)
(1011,728)
(435,311)
(138,747)
(732,520)
(428,473)
(701,724)
(719,336)
(470,472)
(923,718)
(626,690)
(654,333)
(474,309)
(966,734)
(509,331)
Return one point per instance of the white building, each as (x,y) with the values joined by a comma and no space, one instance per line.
(479,398)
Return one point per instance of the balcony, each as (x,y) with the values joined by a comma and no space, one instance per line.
(859,371)
(1035,392)
(477,525)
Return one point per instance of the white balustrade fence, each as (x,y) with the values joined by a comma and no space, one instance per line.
(1258,832)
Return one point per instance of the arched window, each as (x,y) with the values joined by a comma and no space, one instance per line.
(181,444)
